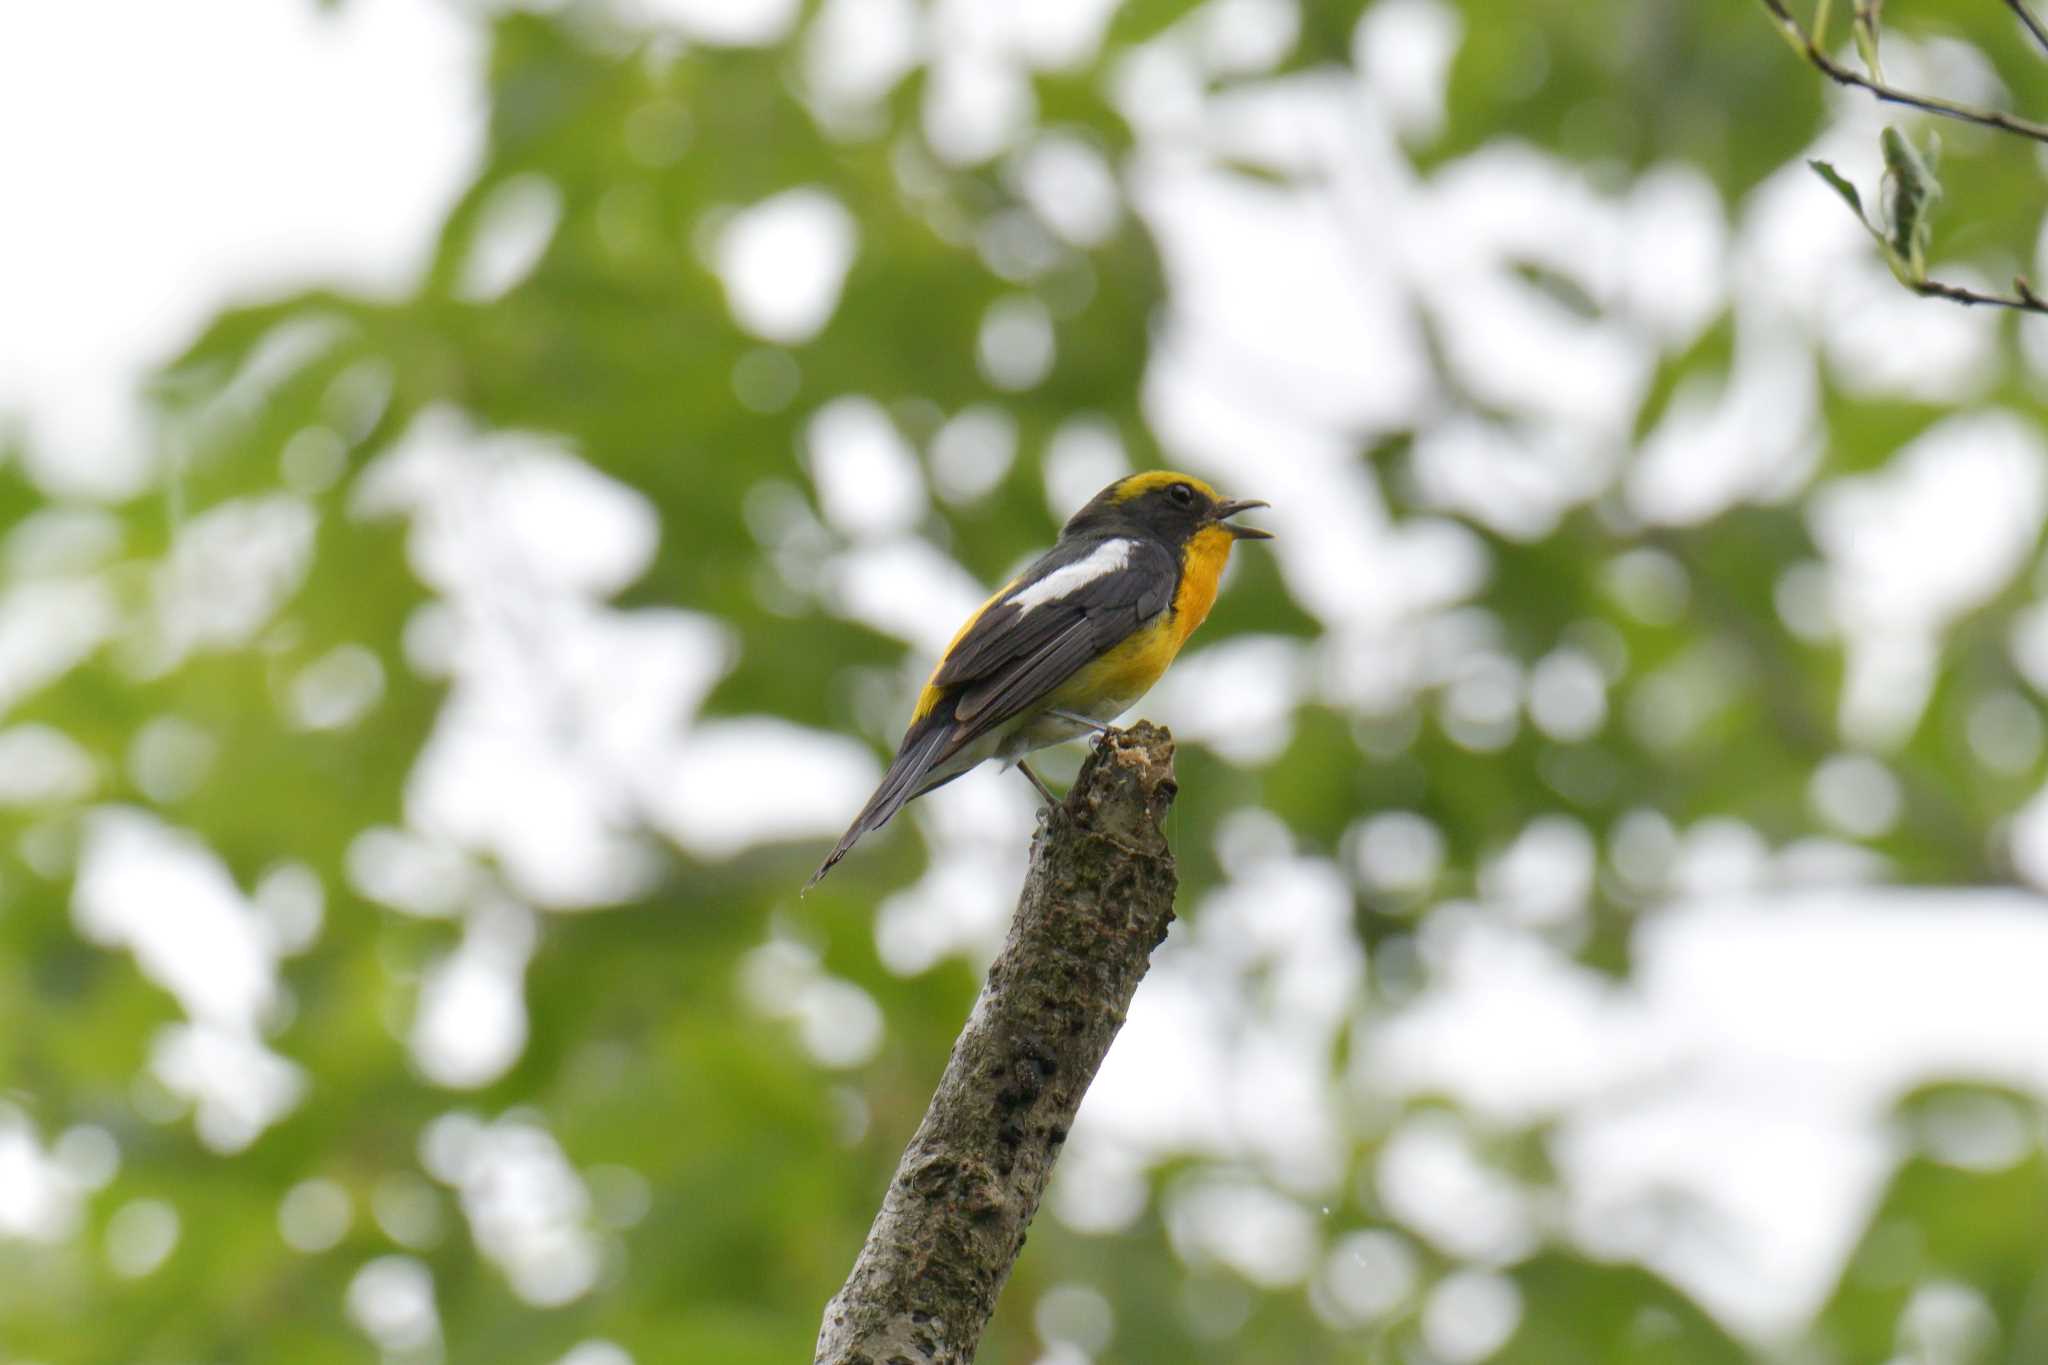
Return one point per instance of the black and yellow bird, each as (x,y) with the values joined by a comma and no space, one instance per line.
(1067,645)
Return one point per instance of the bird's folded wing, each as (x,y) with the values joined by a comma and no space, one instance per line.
(1069,609)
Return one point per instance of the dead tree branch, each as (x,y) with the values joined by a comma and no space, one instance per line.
(1096,902)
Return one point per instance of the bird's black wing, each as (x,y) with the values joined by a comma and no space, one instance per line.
(1044,628)
(1024,642)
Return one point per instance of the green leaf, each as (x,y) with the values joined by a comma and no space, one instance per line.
(1913,192)
(1841,185)
(1140,20)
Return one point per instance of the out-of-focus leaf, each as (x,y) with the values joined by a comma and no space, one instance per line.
(1143,19)
(1966,1209)
(1579,1310)
(1913,192)
(1841,185)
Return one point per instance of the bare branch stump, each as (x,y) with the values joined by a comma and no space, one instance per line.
(1096,902)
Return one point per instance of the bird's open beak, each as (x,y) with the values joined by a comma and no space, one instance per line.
(1225,510)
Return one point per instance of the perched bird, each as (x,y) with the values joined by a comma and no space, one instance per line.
(1067,645)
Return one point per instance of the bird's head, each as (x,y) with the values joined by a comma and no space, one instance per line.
(1170,505)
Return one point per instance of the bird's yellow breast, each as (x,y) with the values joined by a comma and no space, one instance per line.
(1128,669)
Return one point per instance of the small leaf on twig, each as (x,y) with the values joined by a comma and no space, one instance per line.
(1841,186)
(1911,195)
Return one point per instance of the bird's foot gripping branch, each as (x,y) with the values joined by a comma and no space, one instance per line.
(1096,902)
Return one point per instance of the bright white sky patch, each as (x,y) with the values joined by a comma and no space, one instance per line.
(46,628)
(839,1023)
(1947,521)
(1286,309)
(596,1352)
(1016,343)
(325,185)
(1238,1222)
(1741,1068)
(146,886)
(513,229)
(1487,217)
(1085,456)
(868,480)
(1675,267)
(972,452)
(1071,186)
(39,1200)
(1752,432)
(471,1024)
(959,904)
(540,754)
(963,902)
(783,262)
(392,1300)
(1942,527)
(1403,51)
(488,504)
(168,898)
(736,783)
(40,765)
(856,51)
(229,572)
(906,587)
(1238,696)
(238,1087)
(527,1207)
(731,23)
(976,105)
(1243,37)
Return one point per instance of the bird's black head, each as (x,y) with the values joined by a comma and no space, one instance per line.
(1165,504)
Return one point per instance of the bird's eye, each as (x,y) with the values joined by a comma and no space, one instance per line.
(1182,495)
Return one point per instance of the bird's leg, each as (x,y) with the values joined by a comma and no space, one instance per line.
(1102,731)
(1038,782)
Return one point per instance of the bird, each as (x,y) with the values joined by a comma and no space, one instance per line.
(1068,644)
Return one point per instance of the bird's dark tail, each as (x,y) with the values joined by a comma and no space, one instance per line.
(906,778)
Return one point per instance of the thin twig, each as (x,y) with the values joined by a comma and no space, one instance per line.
(1803,43)
(2023,300)
(2033,24)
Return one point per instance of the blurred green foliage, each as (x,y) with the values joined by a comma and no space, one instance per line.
(644,1054)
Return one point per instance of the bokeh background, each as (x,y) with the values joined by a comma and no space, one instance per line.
(482,484)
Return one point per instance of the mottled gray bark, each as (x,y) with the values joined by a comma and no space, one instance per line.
(1096,902)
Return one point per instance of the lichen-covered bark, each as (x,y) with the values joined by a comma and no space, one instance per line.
(1096,902)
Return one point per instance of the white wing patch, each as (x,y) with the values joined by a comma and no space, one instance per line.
(1106,559)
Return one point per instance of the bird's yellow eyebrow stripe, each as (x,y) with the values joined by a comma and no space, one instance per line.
(1139,484)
